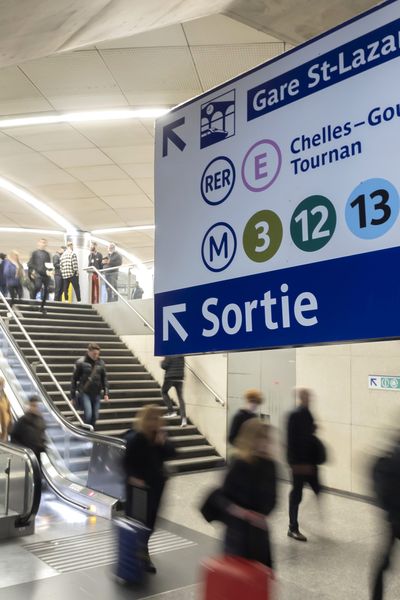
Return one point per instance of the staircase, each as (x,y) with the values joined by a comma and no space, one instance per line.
(62,336)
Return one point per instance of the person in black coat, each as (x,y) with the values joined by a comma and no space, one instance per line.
(174,367)
(30,430)
(95,260)
(248,495)
(89,379)
(146,452)
(253,399)
(58,280)
(37,271)
(301,457)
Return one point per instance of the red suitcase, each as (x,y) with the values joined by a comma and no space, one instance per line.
(234,578)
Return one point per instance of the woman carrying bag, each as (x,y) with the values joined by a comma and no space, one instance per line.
(247,495)
(146,452)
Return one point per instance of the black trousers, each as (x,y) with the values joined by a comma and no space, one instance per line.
(41,284)
(58,287)
(178,385)
(112,278)
(15,291)
(383,562)
(296,495)
(74,280)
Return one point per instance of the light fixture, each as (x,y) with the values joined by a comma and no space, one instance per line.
(123,229)
(30,230)
(22,194)
(85,117)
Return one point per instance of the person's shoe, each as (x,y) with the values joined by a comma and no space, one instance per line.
(150,567)
(296,535)
(170,415)
(184,422)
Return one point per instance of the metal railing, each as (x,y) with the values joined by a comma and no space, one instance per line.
(217,397)
(44,363)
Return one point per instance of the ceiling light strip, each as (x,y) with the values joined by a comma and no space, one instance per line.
(85,117)
(123,229)
(31,230)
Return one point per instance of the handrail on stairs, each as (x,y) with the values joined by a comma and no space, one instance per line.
(43,362)
(217,397)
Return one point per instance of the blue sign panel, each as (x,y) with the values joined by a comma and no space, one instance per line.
(278,200)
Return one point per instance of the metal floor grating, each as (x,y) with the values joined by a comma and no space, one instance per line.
(78,553)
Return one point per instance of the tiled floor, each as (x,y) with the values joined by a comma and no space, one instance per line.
(344,536)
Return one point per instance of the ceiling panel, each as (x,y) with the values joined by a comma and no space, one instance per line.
(78,80)
(147,185)
(120,187)
(130,201)
(221,30)
(116,133)
(72,207)
(216,64)
(10,147)
(18,95)
(166,36)
(140,170)
(105,172)
(78,158)
(64,191)
(137,216)
(35,170)
(144,254)
(131,154)
(50,137)
(95,219)
(31,219)
(165,75)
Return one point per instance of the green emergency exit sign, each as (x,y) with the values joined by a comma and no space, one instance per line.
(391,383)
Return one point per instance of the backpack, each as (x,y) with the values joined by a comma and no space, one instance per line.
(386,481)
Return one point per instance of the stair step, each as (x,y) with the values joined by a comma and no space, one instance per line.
(67,333)
(189,464)
(115,377)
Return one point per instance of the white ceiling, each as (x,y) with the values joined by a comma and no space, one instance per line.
(101,174)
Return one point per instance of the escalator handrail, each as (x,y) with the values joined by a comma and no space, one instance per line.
(34,468)
(63,422)
(42,361)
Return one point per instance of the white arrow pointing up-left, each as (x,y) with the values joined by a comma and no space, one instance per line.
(169,319)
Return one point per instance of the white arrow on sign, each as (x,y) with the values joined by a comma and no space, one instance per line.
(169,318)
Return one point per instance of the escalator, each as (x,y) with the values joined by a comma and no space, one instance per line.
(82,468)
(20,491)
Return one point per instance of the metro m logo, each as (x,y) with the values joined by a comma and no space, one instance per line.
(219,247)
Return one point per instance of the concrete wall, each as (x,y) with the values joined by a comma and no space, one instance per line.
(123,319)
(354,421)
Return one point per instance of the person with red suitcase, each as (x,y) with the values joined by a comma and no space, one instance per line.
(247,496)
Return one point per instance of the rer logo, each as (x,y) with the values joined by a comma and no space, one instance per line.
(219,247)
(217,119)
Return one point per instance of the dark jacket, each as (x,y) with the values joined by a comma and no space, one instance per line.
(386,479)
(56,263)
(89,377)
(241,417)
(251,486)
(137,293)
(174,367)
(37,262)
(95,260)
(10,272)
(300,437)
(145,459)
(29,431)
(114,260)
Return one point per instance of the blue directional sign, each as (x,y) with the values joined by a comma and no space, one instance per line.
(277,200)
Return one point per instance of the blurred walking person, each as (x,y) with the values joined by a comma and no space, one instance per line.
(89,379)
(386,478)
(253,400)
(69,271)
(146,452)
(30,430)
(174,367)
(247,496)
(137,291)
(37,272)
(95,261)
(13,273)
(304,453)
(111,263)
(6,419)
(58,280)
